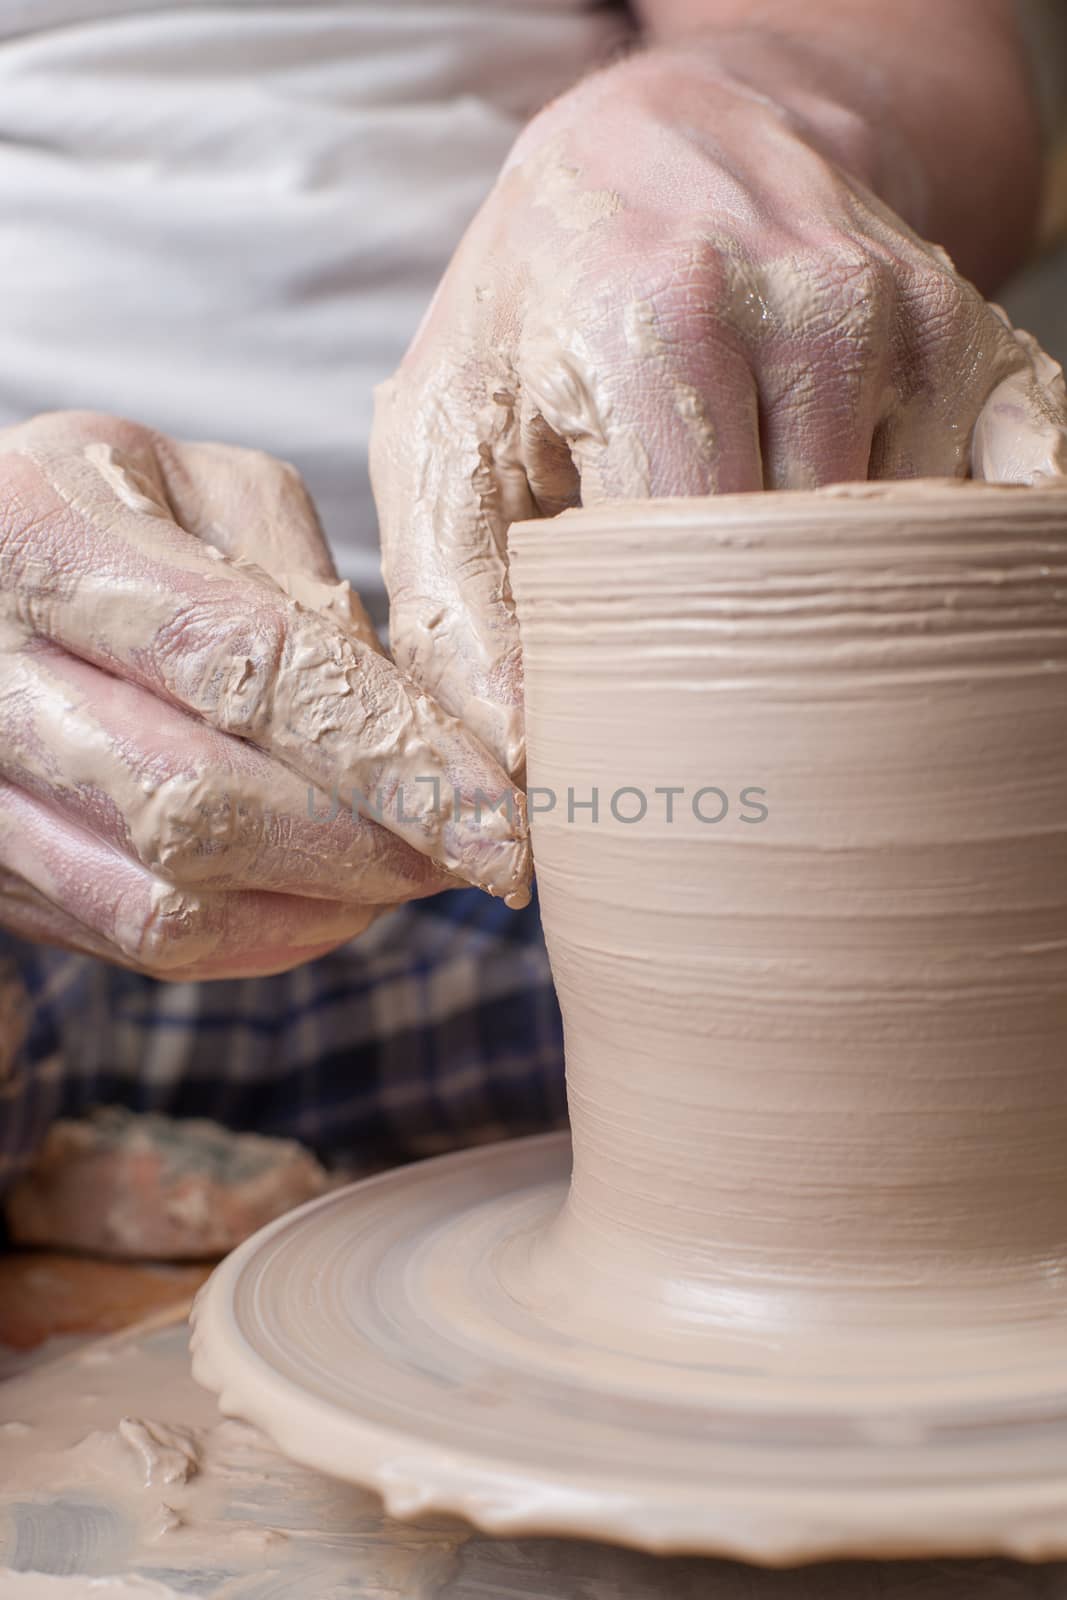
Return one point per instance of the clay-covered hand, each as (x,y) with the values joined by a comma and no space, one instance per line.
(198,726)
(676,287)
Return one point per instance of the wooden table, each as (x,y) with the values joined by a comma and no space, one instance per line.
(46,1297)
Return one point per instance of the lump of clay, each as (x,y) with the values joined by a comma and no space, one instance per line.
(131,1185)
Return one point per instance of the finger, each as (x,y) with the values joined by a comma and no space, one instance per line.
(28,913)
(823,377)
(131,592)
(1021,432)
(188,803)
(952,353)
(152,925)
(444,515)
(594,417)
(245,503)
(658,401)
(253,507)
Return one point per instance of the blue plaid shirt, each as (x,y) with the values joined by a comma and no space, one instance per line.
(438,1027)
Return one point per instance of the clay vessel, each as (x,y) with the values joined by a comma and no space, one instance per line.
(816,1021)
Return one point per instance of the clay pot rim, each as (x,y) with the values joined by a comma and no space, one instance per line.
(834,511)
(785,503)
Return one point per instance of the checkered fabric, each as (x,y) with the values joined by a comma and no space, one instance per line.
(437,1028)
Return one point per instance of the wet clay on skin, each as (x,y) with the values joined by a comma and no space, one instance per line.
(160,766)
(805,1293)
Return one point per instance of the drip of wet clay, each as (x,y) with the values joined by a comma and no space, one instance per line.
(798,786)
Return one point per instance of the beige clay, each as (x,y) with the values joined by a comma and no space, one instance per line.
(806,1291)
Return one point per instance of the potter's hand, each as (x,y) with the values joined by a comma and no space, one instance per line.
(178,664)
(676,287)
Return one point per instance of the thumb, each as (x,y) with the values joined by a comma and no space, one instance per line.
(256,509)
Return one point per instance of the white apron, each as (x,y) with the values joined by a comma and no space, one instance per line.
(227,220)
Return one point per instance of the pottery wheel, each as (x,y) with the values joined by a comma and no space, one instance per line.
(381,1335)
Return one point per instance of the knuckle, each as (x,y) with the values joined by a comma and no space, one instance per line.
(851,267)
(690,291)
(224,665)
(38,538)
(945,304)
(705,297)
(160,928)
(185,830)
(851,293)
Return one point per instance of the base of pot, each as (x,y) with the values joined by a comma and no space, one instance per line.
(401,1334)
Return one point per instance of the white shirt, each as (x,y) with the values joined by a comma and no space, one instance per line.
(227,220)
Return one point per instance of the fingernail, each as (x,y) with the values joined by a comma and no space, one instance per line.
(501,867)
